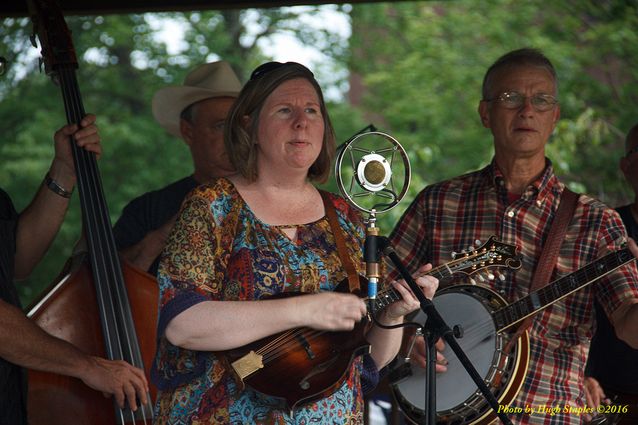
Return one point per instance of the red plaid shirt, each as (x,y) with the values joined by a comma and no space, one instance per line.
(452,215)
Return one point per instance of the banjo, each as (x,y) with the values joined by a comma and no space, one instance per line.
(486,321)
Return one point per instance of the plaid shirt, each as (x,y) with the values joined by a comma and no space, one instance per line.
(452,215)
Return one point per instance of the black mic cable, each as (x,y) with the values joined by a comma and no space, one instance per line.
(366,129)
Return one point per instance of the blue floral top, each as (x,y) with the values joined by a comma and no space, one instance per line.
(219,250)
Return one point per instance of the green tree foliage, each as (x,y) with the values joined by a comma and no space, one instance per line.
(122,63)
(422,64)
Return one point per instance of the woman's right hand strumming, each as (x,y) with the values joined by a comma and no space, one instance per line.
(331,311)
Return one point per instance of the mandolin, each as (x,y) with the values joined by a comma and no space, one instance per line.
(303,364)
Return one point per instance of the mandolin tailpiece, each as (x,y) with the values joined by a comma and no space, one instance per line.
(248,364)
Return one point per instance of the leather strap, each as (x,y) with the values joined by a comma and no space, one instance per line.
(346,261)
(549,256)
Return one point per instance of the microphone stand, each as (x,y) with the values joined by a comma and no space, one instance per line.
(435,328)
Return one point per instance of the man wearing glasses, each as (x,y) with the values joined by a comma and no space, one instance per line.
(516,198)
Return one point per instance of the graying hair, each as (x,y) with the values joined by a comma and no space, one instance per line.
(522,57)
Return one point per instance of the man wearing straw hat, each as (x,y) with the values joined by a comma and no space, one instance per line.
(195,112)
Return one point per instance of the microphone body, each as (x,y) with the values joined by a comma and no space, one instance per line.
(374,178)
(371,258)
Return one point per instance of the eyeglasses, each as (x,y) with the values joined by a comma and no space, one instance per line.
(514,100)
(267,67)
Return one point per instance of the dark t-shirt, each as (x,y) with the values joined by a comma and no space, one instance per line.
(150,211)
(611,361)
(12,377)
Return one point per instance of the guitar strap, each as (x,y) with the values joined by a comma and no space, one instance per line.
(346,261)
(549,256)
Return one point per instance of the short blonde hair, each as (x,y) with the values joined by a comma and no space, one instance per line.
(240,134)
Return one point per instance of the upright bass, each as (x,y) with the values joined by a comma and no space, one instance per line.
(104,307)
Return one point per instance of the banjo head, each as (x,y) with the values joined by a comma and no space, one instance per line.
(457,397)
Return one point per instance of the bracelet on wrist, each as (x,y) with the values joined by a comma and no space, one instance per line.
(55,187)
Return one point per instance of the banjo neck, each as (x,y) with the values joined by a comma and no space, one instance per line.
(560,288)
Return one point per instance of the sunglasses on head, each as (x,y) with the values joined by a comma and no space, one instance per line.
(267,67)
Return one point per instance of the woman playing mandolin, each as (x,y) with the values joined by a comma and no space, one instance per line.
(265,232)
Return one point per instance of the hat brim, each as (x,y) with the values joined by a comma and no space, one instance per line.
(169,102)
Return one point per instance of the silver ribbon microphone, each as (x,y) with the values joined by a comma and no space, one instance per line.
(373,173)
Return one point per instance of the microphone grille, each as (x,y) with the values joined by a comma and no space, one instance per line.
(374,172)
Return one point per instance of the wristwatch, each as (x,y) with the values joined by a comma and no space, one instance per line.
(55,187)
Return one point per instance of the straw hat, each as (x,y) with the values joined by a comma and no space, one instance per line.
(215,79)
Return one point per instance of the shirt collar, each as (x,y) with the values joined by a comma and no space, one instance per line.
(546,184)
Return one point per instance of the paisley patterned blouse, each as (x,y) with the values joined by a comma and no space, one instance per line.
(219,250)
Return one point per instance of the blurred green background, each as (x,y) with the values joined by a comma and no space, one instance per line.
(413,69)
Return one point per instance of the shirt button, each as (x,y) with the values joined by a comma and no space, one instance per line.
(510,214)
